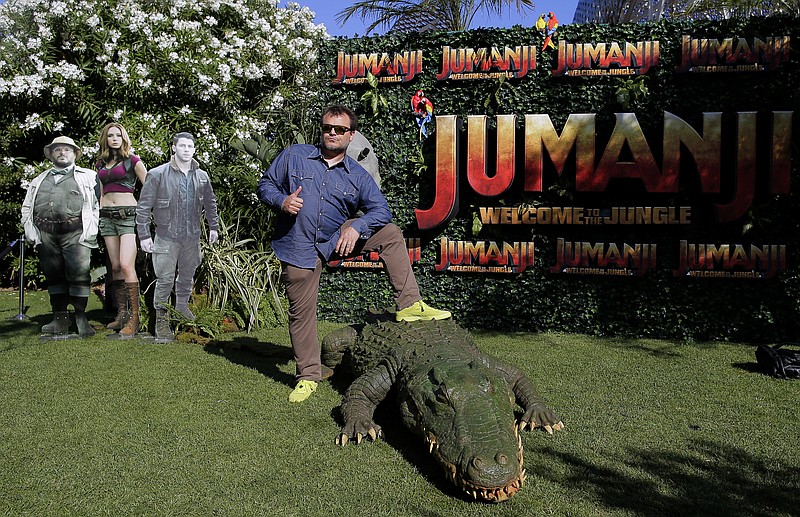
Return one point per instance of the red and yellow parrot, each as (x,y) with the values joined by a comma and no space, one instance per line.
(422,107)
(552,30)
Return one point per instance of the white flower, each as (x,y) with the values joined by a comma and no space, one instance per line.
(59,8)
(32,121)
(58,126)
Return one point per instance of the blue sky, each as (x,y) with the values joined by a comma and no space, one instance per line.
(326,11)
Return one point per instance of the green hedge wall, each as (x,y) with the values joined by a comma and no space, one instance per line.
(655,305)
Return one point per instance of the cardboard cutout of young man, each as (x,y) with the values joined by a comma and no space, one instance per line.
(177,193)
(60,214)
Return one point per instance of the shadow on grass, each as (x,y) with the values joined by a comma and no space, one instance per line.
(395,434)
(707,478)
(10,325)
(264,357)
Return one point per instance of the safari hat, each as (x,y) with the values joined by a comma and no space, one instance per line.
(62,140)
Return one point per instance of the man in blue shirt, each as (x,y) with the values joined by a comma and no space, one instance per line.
(317,191)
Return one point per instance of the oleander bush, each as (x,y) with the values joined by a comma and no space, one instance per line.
(225,70)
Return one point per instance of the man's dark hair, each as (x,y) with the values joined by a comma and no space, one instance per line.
(182,134)
(337,111)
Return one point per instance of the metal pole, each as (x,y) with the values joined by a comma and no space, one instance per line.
(21,316)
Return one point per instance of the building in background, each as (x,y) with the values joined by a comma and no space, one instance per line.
(623,11)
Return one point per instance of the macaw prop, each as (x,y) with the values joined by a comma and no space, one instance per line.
(422,107)
(551,31)
(541,24)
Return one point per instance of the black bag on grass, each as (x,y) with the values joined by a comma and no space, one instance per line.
(779,362)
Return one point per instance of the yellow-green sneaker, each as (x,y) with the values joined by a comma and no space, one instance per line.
(302,391)
(420,311)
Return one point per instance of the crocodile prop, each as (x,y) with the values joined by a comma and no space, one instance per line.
(459,400)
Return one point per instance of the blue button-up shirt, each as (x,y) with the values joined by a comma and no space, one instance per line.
(331,196)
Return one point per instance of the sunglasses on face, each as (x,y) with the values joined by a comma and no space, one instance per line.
(340,130)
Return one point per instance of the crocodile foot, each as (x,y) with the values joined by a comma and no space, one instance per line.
(540,416)
(357,431)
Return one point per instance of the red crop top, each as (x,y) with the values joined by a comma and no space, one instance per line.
(117,179)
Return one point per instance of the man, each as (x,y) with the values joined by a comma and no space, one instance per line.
(318,190)
(61,214)
(177,193)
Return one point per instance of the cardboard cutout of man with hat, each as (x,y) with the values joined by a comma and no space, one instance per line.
(61,214)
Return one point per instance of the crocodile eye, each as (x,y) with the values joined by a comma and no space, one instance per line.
(477,463)
(501,459)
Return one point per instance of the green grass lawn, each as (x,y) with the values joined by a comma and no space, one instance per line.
(104,427)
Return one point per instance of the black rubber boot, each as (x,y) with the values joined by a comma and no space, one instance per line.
(60,323)
(59,326)
(79,304)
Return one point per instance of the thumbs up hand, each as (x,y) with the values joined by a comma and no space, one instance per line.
(293,202)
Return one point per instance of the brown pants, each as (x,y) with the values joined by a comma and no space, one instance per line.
(302,288)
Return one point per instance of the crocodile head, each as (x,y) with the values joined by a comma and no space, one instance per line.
(466,414)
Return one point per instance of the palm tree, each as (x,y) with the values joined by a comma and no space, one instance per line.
(454,15)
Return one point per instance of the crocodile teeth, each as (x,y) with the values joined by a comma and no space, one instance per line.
(359,437)
(372,434)
(432,442)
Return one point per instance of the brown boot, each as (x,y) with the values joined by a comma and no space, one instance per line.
(123,315)
(132,326)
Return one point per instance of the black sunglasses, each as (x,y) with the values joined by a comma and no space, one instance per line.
(340,130)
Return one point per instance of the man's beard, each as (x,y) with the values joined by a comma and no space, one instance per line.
(333,147)
(58,162)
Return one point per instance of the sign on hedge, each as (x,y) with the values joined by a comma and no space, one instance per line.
(654,152)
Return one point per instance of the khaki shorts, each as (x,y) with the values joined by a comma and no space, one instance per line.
(119,220)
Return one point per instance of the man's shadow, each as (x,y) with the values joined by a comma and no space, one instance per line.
(264,357)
